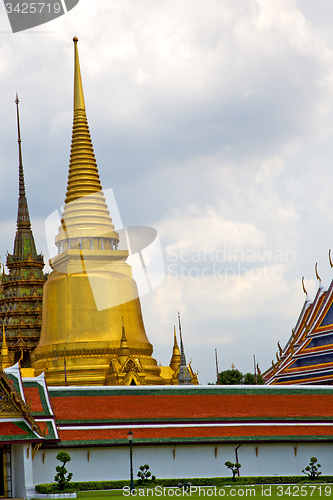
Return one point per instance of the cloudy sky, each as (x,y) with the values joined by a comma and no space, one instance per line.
(213,123)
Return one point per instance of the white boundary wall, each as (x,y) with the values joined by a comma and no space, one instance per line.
(184,461)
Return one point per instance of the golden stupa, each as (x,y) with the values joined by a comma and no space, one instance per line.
(90,299)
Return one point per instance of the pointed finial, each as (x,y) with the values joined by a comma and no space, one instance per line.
(182,352)
(123,335)
(23,219)
(316,270)
(19,142)
(124,350)
(306,293)
(280,348)
(329,258)
(78,89)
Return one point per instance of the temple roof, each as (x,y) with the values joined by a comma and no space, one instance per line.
(17,421)
(35,400)
(307,357)
(95,415)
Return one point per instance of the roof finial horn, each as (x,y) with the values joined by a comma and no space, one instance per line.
(306,293)
(329,258)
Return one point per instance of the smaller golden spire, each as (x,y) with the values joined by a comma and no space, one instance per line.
(124,350)
(5,360)
(176,357)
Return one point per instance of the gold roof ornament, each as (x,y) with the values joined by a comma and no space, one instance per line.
(329,258)
(316,271)
(303,286)
(280,349)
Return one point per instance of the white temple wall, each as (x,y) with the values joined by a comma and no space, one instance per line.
(181,461)
(22,471)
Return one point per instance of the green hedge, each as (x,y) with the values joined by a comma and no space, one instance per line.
(204,481)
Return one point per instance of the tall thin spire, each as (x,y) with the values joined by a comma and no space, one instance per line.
(23,219)
(184,377)
(182,352)
(85,213)
(22,287)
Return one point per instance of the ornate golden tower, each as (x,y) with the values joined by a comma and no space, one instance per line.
(22,288)
(82,335)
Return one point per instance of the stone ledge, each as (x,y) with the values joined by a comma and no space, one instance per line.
(54,495)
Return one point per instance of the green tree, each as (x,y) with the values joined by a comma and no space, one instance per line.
(230,377)
(60,478)
(235,377)
(312,470)
(250,379)
(144,474)
(234,468)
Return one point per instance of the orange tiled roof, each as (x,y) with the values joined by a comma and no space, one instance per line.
(32,395)
(95,416)
(10,429)
(200,406)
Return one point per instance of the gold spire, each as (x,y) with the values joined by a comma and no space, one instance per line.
(77,321)
(85,213)
(176,358)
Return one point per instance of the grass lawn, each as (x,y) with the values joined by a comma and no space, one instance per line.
(274,492)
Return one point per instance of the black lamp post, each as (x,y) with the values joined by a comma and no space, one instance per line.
(130,440)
